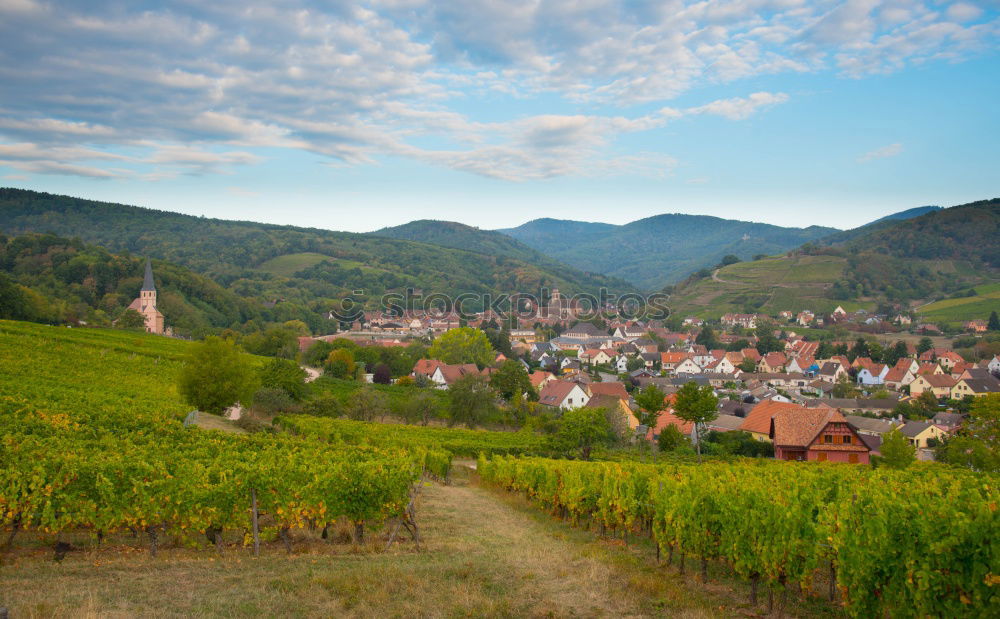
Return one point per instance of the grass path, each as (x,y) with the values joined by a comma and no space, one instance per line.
(486,554)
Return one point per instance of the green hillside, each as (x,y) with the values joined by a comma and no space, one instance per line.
(658,250)
(306,270)
(940,254)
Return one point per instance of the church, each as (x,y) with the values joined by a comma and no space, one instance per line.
(146,303)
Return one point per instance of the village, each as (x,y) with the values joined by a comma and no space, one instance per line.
(806,399)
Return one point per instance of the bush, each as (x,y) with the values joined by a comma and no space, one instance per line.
(270,401)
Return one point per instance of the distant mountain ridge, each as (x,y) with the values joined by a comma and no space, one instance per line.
(658,250)
(949,253)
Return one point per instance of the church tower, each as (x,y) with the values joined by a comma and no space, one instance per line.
(146,303)
(147,295)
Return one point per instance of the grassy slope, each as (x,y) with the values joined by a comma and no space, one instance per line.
(783,283)
(987,300)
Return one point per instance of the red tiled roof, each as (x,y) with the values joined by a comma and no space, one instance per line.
(615,389)
(538,377)
(427,366)
(759,419)
(555,392)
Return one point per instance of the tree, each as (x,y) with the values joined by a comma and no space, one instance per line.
(382,375)
(462,345)
(976,445)
(706,337)
(583,428)
(420,408)
(747,365)
(634,363)
(285,375)
(729,259)
(650,401)
(670,438)
(366,404)
(470,401)
(511,379)
(278,341)
(697,405)
(340,364)
(845,389)
(994,322)
(131,319)
(924,345)
(13,302)
(897,452)
(216,375)
(767,342)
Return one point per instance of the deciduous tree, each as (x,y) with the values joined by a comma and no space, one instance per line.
(697,405)
(462,345)
(216,375)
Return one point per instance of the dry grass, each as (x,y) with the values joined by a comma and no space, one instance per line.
(486,554)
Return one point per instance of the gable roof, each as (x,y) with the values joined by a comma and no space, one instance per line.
(758,420)
(800,429)
(938,380)
(614,389)
(427,366)
(538,377)
(555,392)
(451,373)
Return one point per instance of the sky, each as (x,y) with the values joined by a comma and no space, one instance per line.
(357,116)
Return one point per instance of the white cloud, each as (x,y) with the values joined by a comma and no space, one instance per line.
(881,153)
(353,82)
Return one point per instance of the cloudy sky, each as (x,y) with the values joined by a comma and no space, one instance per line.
(354,116)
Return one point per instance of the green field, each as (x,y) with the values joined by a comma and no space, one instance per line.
(987,300)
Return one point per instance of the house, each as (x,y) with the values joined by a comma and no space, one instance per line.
(803,365)
(772,362)
(752,354)
(612,388)
(903,320)
(563,394)
(872,375)
(883,406)
(976,326)
(938,384)
(145,303)
(758,420)
(669,360)
(805,317)
(994,365)
(612,403)
(688,366)
(872,427)
(920,432)
(426,367)
(951,421)
(747,321)
(540,378)
(721,366)
(621,363)
(976,387)
(725,423)
(822,435)
(584,331)
(949,359)
(929,368)
(445,375)
(907,364)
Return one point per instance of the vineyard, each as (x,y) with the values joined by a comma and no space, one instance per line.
(91,440)
(922,542)
(456,441)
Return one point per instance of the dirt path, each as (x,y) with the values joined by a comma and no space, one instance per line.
(311,373)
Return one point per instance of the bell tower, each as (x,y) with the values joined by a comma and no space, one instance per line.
(147,295)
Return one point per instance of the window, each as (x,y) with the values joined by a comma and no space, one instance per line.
(827,439)
(847,439)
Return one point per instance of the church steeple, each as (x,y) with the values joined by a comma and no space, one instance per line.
(147,282)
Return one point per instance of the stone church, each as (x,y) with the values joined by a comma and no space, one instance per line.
(146,303)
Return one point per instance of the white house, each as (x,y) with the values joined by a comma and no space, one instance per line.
(563,394)
(869,378)
(688,366)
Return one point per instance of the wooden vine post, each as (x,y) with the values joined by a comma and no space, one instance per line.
(256,523)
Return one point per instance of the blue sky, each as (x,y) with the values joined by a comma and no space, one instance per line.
(356,116)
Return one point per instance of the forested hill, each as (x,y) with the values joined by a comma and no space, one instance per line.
(490,242)
(658,250)
(951,253)
(46,278)
(283,262)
